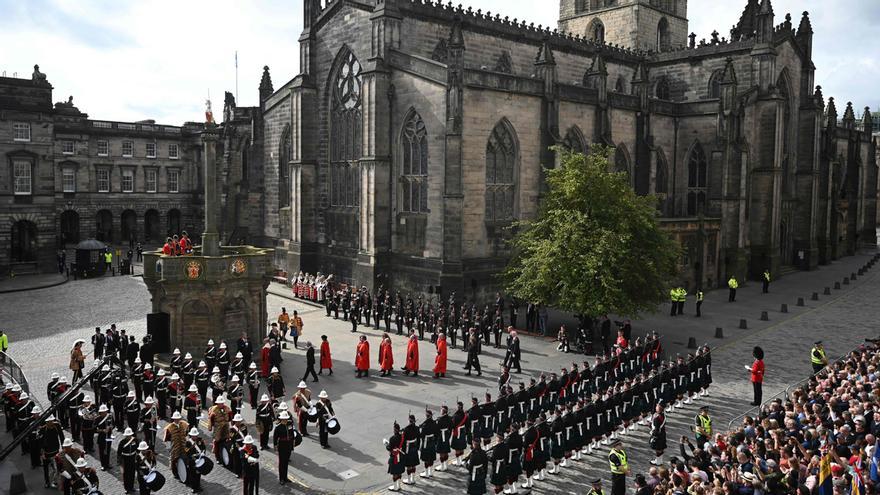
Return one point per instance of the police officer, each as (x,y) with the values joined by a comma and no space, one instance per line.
(699,296)
(619,468)
(596,488)
(765,281)
(817,357)
(732,285)
(703,426)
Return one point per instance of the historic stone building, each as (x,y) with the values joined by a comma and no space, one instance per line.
(66,177)
(415,132)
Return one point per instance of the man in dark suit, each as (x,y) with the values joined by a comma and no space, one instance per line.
(310,362)
(98,343)
(131,352)
(512,358)
(147,352)
(246,349)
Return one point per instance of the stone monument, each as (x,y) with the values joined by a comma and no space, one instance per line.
(217,292)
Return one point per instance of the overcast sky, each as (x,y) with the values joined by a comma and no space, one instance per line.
(138,59)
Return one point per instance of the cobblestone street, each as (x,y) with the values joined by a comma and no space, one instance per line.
(43,323)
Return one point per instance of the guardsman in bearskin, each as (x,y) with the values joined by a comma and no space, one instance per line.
(283,439)
(265,418)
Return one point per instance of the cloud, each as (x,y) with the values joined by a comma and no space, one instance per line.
(159,59)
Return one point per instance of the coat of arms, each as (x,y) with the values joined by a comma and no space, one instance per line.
(193,270)
(238,267)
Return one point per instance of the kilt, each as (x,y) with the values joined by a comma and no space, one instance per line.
(477,486)
(459,440)
(395,466)
(499,474)
(411,457)
(514,467)
(557,446)
(658,441)
(485,428)
(428,452)
(442,445)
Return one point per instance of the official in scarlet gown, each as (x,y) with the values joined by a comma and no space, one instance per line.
(326,360)
(386,356)
(440,360)
(362,357)
(412,356)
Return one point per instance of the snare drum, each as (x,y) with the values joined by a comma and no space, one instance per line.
(333,426)
(225,456)
(204,465)
(154,480)
(297,438)
(181,470)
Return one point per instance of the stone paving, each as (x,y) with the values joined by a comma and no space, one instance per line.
(41,325)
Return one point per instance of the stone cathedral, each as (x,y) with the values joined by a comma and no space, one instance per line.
(416,132)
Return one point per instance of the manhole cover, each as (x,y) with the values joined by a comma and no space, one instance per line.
(349,474)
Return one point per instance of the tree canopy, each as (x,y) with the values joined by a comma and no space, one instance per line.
(595,247)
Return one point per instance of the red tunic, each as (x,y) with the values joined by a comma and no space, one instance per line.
(362,359)
(622,342)
(264,361)
(758,371)
(412,356)
(386,356)
(166,249)
(440,360)
(326,360)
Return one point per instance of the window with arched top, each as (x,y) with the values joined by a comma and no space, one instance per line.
(414,170)
(697,180)
(663,37)
(284,156)
(574,140)
(621,160)
(661,90)
(596,31)
(715,84)
(501,157)
(345,131)
(620,85)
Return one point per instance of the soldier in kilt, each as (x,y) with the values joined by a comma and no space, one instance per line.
(395,445)
(460,433)
(658,434)
(705,359)
(412,439)
(444,435)
(681,373)
(531,451)
(428,450)
(514,455)
(667,384)
(572,437)
(498,464)
(477,468)
(557,441)
(543,451)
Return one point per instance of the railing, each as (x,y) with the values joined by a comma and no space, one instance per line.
(755,411)
(10,371)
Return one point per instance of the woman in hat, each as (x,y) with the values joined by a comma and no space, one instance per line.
(77,360)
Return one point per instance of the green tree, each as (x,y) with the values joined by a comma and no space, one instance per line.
(595,246)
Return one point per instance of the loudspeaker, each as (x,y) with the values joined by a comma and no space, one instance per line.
(159,329)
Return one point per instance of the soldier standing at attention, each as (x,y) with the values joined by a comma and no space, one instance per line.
(282,439)
(251,467)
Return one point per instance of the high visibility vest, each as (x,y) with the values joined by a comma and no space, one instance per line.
(732,283)
(705,424)
(108,258)
(817,356)
(699,295)
(682,294)
(767,275)
(673,295)
(618,468)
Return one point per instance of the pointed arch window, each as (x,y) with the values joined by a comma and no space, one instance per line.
(621,161)
(663,38)
(661,91)
(284,185)
(414,173)
(345,132)
(697,180)
(501,156)
(715,84)
(596,31)
(574,140)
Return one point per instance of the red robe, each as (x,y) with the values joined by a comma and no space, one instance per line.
(440,360)
(386,356)
(412,356)
(326,360)
(362,358)
(264,361)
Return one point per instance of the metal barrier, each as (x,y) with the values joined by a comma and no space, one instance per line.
(755,411)
(10,371)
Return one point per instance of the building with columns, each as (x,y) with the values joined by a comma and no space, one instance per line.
(416,132)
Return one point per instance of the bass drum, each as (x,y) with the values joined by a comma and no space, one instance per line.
(312,414)
(204,465)
(225,458)
(154,480)
(333,426)
(297,438)
(181,470)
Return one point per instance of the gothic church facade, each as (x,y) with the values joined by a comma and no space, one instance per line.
(415,133)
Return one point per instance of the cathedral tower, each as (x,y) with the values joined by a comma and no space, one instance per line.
(657,25)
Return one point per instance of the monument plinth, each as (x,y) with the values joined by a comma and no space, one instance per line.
(215,292)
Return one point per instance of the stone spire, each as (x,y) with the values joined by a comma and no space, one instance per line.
(266,89)
(764,28)
(728,86)
(867,120)
(804,35)
(545,54)
(748,22)
(831,113)
(849,117)
(819,99)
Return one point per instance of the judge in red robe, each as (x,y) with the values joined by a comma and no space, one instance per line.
(265,361)
(362,358)
(412,356)
(326,360)
(440,360)
(386,356)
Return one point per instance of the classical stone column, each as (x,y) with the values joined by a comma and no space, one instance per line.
(211,236)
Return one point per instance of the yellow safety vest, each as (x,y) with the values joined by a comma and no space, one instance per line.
(732,283)
(767,276)
(699,295)
(621,468)
(817,356)
(108,258)
(705,424)
(673,295)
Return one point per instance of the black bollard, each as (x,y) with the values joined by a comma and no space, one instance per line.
(827,291)
(692,343)
(764,316)
(719,333)
(17,484)
(836,285)
(783,308)
(800,301)
(743,325)
(852,276)
(815,296)
(845,280)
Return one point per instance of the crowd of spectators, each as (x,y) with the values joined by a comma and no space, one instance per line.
(829,425)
